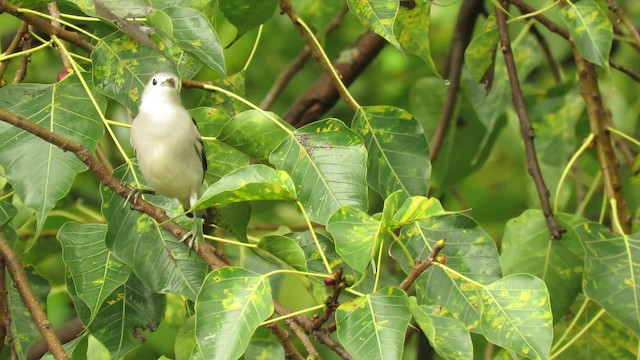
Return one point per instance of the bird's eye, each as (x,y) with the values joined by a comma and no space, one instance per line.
(154,82)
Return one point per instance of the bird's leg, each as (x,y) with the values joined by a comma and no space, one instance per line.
(135,193)
(192,236)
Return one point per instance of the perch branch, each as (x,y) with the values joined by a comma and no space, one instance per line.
(45,26)
(469,11)
(290,351)
(30,300)
(528,134)
(420,267)
(68,332)
(205,251)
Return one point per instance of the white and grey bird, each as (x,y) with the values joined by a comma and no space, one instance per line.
(168,145)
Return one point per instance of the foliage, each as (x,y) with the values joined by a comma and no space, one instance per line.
(355,232)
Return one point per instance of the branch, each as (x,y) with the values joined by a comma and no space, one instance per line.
(461,37)
(290,351)
(22,29)
(332,304)
(598,120)
(53,11)
(616,9)
(70,36)
(420,267)
(68,332)
(546,50)
(21,71)
(301,335)
(205,251)
(528,133)
(297,65)
(30,300)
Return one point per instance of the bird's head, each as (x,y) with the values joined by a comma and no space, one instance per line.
(162,87)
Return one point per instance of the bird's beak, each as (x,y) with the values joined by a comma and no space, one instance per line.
(169,82)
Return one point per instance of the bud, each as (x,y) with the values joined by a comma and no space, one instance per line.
(441,258)
(349,279)
(62,74)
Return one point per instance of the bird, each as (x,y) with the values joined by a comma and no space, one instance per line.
(168,145)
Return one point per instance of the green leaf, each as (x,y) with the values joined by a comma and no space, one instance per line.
(470,251)
(192,32)
(118,325)
(378,15)
(286,249)
(356,235)
(121,68)
(229,308)
(417,208)
(7,212)
(39,171)
(247,14)
(412,31)
(398,151)
(480,55)
(264,345)
(186,347)
(327,163)
(234,218)
(373,326)
(612,273)
(250,183)
(138,241)
(590,30)
(446,334)
(134,8)
(516,315)
(23,329)
(254,134)
(96,272)
(312,255)
(528,248)
(234,83)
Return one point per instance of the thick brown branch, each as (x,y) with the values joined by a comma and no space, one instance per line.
(598,120)
(420,267)
(290,351)
(30,300)
(70,36)
(528,133)
(205,251)
(66,333)
(461,37)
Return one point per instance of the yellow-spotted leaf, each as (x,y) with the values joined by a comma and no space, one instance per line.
(398,150)
(327,163)
(590,29)
(481,52)
(445,332)
(232,304)
(373,326)
(412,31)
(516,315)
(249,183)
(192,32)
(417,208)
(378,15)
(247,14)
(285,249)
(612,272)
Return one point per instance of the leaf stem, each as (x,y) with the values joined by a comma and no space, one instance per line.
(227,241)
(575,319)
(315,238)
(254,49)
(49,17)
(297,272)
(578,335)
(8,195)
(406,252)
(378,267)
(585,145)
(623,135)
(25,52)
(293,314)
(589,195)
(350,100)
(535,13)
(451,271)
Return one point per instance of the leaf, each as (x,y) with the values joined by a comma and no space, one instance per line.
(527,248)
(327,163)
(234,219)
(121,68)
(446,334)
(516,315)
(378,15)
(23,329)
(135,8)
(286,249)
(470,252)
(128,311)
(417,208)
(373,326)
(356,236)
(254,134)
(7,212)
(398,151)
(247,14)
(590,30)
(264,345)
(250,183)
(192,32)
(186,347)
(39,171)
(312,255)
(96,272)
(232,304)
(612,273)
(138,241)
(480,55)
(412,28)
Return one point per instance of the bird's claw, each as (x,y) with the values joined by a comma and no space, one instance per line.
(135,193)
(191,238)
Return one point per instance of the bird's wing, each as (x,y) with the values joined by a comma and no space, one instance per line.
(200,150)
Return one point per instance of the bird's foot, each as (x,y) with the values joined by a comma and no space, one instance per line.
(191,239)
(134,196)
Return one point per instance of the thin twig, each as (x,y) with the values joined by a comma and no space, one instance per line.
(21,71)
(30,300)
(205,251)
(283,79)
(53,11)
(6,337)
(301,335)
(546,50)
(616,9)
(469,11)
(528,134)
(70,36)
(338,285)
(598,120)
(290,351)
(22,29)
(421,266)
